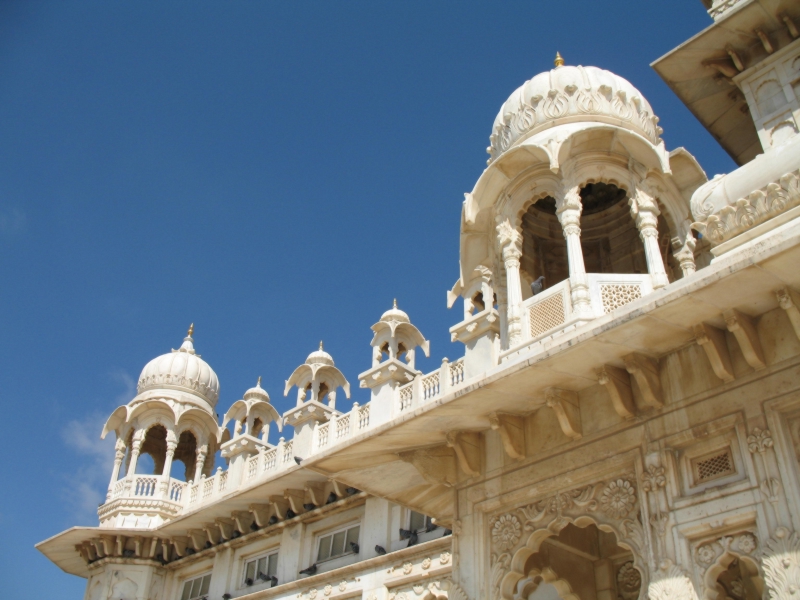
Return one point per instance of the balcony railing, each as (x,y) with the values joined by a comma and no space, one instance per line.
(550,313)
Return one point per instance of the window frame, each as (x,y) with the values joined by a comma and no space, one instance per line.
(255,559)
(330,534)
(425,520)
(204,580)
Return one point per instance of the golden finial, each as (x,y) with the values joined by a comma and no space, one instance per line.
(320,344)
(191,330)
(395,303)
(559,61)
(259,381)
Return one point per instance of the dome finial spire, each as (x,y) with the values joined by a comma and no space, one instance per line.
(320,345)
(258,383)
(559,61)
(395,303)
(191,330)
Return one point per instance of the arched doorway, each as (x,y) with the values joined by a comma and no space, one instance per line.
(579,563)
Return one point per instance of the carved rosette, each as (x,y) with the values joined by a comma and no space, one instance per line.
(613,503)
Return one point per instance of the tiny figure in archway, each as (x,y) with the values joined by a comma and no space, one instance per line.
(538,285)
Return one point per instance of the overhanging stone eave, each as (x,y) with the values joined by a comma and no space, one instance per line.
(682,69)
(709,291)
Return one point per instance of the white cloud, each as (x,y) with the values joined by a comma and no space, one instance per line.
(85,488)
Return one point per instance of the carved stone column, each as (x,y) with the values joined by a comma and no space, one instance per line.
(172,444)
(202,452)
(119,456)
(510,241)
(569,215)
(645,211)
(135,449)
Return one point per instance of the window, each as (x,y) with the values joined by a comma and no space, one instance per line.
(420,523)
(338,543)
(196,588)
(713,466)
(260,569)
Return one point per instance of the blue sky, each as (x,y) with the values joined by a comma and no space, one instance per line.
(274,172)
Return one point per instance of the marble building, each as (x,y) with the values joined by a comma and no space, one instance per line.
(624,422)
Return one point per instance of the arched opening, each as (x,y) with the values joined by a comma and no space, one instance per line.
(258,427)
(186,453)
(581,562)
(154,446)
(738,581)
(610,240)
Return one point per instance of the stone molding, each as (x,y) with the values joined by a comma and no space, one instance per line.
(758,206)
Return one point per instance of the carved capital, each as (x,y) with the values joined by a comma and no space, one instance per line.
(567,408)
(645,372)
(509,239)
(744,329)
(618,385)
(781,563)
(712,341)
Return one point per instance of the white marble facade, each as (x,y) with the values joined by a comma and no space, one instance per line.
(625,420)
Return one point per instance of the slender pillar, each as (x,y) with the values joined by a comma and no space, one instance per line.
(645,210)
(510,242)
(202,452)
(569,215)
(119,456)
(165,477)
(135,448)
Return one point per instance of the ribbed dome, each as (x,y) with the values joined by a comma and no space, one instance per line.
(319,357)
(569,94)
(395,314)
(257,393)
(183,370)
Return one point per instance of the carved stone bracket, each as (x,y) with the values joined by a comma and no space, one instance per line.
(618,385)
(712,341)
(295,499)
(789,300)
(468,449)
(437,465)
(316,492)
(512,433)
(279,506)
(742,326)
(567,409)
(645,372)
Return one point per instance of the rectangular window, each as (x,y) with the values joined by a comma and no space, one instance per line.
(338,543)
(260,569)
(713,466)
(196,588)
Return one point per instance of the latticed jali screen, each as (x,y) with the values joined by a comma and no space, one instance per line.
(547,314)
(615,295)
(711,467)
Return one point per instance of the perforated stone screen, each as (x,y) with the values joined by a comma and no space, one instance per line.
(615,295)
(713,466)
(547,314)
